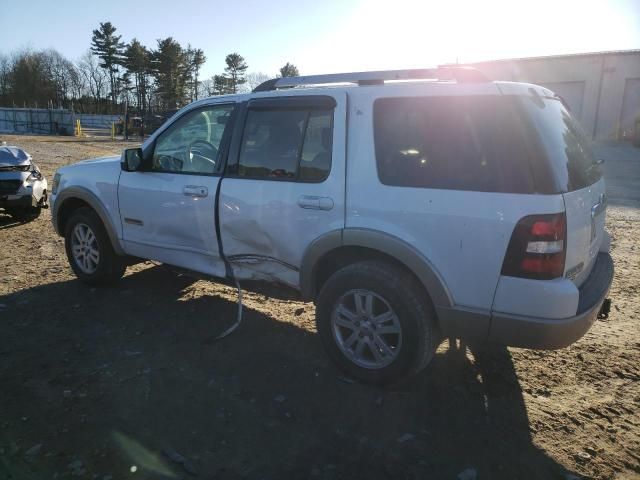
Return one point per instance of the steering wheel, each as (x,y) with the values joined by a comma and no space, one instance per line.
(168,163)
(204,150)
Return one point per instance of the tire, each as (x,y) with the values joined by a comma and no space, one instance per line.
(97,263)
(402,309)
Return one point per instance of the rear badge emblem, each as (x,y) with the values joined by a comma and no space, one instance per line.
(573,272)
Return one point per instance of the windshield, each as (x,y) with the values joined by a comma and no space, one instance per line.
(564,145)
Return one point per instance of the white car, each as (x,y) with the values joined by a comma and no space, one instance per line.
(23,188)
(408,205)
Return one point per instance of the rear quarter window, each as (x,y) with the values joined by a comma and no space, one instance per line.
(562,144)
(460,143)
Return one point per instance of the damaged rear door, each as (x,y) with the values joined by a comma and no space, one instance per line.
(284,185)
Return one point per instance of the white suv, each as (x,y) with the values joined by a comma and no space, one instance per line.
(409,205)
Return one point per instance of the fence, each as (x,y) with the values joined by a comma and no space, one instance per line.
(97,121)
(93,125)
(37,120)
(53,122)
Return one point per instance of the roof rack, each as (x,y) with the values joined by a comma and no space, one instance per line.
(459,73)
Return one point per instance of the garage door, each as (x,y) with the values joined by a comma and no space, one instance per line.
(630,106)
(571,92)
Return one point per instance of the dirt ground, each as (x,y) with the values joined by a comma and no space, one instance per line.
(128,381)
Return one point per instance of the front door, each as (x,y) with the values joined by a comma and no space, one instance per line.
(168,210)
(285,183)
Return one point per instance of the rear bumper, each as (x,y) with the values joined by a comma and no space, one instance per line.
(544,333)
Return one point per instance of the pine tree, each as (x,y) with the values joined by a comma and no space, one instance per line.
(169,66)
(108,47)
(289,70)
(137,61)
(196,64)
(235,71)
(221,85)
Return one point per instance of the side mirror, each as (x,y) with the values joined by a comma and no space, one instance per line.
(131,160)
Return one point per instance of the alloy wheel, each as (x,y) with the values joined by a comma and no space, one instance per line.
(366,329)
(84,247)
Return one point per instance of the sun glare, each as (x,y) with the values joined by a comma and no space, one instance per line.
(414,33)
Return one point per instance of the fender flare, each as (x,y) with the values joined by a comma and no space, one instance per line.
(400,250)
(94,202)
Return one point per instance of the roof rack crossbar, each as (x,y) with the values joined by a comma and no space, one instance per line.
(461,74)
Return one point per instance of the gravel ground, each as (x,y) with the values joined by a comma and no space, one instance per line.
(128,381)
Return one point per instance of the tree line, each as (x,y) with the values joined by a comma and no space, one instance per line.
(112,73)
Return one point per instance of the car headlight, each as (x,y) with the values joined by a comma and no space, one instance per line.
(34,176)
(55,183)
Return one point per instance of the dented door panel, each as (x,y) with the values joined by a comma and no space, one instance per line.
(266,224)
(264,230)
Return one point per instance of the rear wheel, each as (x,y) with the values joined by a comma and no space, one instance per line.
(376,323)
(89,249)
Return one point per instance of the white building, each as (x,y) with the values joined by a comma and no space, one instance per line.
(602,88)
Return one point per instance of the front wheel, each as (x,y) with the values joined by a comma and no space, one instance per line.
(89,249)
(376,323)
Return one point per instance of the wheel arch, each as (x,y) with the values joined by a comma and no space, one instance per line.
(342,247)
(72,198)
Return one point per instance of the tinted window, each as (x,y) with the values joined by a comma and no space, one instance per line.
(286,144)
(459,143)
(562,143)
(315,161)
(191,144)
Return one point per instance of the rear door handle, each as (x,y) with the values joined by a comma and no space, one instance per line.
(195,191)
(315,202)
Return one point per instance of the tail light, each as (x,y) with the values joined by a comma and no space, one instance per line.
(537,247)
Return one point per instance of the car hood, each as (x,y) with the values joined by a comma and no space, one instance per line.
(110,159)
(14,159)
(14,175)
(91,172)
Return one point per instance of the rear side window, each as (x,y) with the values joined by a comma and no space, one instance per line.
(562,143)
(287,144)
(458,143)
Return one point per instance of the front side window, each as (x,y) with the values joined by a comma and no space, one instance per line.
(192,143)
(287,144)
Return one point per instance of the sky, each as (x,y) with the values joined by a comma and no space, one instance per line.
(329,36)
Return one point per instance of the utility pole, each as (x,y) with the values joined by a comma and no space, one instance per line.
(126,120)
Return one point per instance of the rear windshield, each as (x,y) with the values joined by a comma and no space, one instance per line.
(562,142)
(482,143)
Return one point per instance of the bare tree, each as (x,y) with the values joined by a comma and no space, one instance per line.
(206,87)
(254,79)
(95,77)
(5,74)
(78,88)
(62,74)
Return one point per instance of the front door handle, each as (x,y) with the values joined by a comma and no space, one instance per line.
(315,202)
(195,191)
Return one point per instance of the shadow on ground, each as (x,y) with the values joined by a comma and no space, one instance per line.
(105,379)
(7,221)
